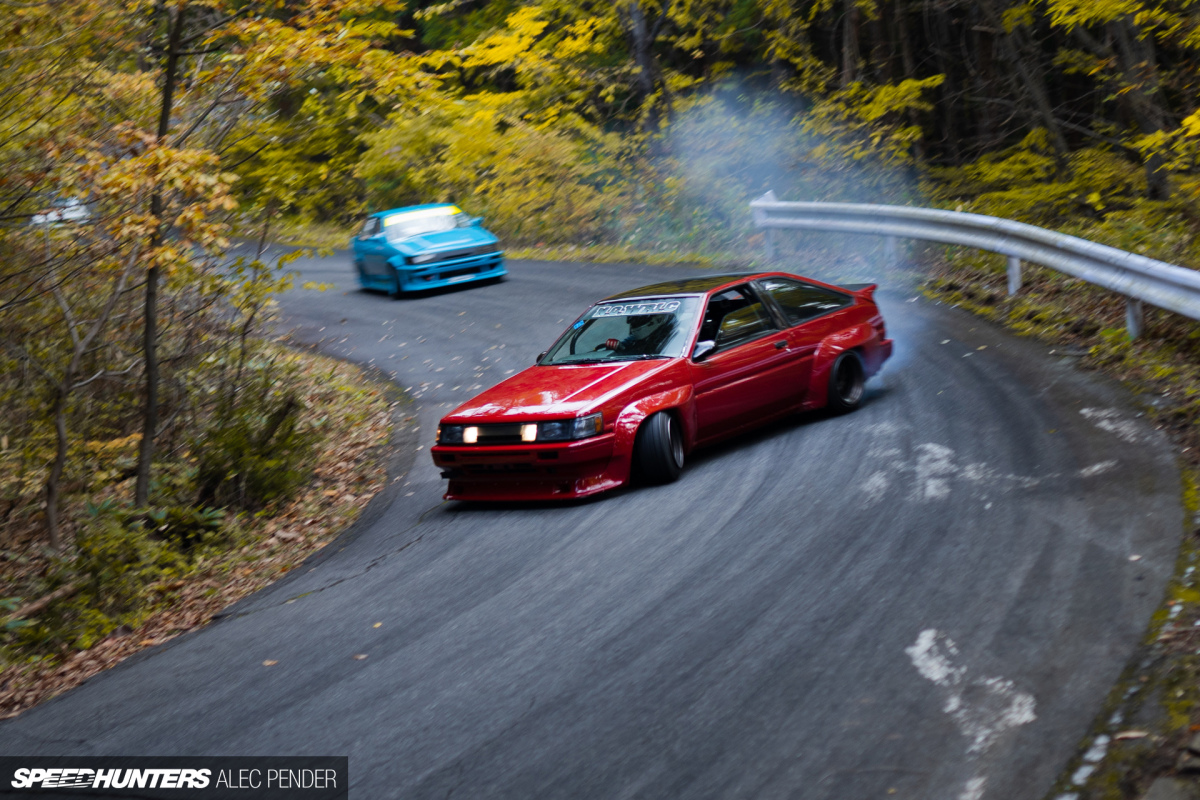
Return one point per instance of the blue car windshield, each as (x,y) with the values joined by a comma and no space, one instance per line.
(405,224)
(627,330)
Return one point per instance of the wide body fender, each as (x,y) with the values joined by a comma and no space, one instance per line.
(863,338)
(680,399)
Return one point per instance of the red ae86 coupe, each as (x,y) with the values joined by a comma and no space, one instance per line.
(644,377)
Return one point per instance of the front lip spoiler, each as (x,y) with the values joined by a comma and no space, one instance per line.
(549,471)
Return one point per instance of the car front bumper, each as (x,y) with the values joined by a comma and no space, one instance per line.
(450,272)
(551,471)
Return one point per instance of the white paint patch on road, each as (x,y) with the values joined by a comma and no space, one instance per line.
(932,658)
(1109,419)
(936,473)
(973,790)
(875,487)
(983,708)
(935,467)
(998,708)
(1097,469)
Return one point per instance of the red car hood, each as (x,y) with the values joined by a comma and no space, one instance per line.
(557,392)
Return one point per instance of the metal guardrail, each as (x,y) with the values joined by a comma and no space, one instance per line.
(1139,279)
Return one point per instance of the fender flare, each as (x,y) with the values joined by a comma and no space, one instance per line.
(828,350)
(680,400)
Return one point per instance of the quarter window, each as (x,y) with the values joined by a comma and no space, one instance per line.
(370,227)
(802,301)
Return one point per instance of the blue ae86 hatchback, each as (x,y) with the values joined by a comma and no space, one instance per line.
(425,247)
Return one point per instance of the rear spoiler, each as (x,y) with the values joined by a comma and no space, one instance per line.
(863,290)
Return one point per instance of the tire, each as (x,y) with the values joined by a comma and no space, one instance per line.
(846,381)
(395,292)
(658,449)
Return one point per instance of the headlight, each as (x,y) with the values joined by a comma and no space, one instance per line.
(422,258)
(564,430)
(450,434)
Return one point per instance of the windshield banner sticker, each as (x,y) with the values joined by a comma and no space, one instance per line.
(630,309)
(441,211)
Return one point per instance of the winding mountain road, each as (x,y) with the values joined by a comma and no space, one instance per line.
(928,598)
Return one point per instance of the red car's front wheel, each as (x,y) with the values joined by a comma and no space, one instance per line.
(658,451)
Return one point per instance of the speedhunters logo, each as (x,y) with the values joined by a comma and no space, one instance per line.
(68,778)
(242,778)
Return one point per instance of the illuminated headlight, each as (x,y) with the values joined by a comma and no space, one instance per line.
(567,429)
(451,434)
(470,434)
(422,258)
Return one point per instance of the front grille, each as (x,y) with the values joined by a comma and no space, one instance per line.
(454,273)
(470,251)
(498,469)
(499,433)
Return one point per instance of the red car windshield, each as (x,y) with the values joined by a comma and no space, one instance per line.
(627,330)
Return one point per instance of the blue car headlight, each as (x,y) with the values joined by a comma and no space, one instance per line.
(421,259)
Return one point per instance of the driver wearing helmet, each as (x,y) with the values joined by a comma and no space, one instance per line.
(647,334)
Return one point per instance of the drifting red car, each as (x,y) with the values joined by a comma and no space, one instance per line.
(646,376)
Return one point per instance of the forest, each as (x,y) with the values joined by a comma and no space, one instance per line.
(136,389)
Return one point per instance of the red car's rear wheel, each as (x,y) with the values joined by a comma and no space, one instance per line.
(846,381)
(658,451)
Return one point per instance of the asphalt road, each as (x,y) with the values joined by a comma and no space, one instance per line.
(927,599)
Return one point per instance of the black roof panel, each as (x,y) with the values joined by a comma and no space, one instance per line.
(687,286)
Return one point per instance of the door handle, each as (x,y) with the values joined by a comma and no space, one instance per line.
(781,345)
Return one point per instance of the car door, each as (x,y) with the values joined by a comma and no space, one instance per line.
(747,376)
(808,312)
(372,248)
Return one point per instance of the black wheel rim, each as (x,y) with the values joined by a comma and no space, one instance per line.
(847,384)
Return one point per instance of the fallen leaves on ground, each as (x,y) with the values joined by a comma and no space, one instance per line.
(352,471)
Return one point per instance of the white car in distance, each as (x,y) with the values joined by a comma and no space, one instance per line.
(69,209)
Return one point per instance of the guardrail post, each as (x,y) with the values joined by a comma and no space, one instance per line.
(760,220)
(1014,275)
(889,251)
(1135,317)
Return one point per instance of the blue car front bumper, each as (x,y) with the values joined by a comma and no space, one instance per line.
(448,272)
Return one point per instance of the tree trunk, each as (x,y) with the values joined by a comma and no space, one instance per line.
(850,47)
(1021,52)
(60,460)
(1143,97)
(642,33)
(150,329)
(908,62)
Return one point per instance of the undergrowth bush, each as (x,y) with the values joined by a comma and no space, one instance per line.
(117,558)
(255,449)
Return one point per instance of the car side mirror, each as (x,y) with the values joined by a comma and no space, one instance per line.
(540,356)
(702,349)
(476,220)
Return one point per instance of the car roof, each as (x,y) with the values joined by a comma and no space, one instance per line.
(686,286)
(391,211)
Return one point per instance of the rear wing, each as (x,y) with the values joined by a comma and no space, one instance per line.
(862,290)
